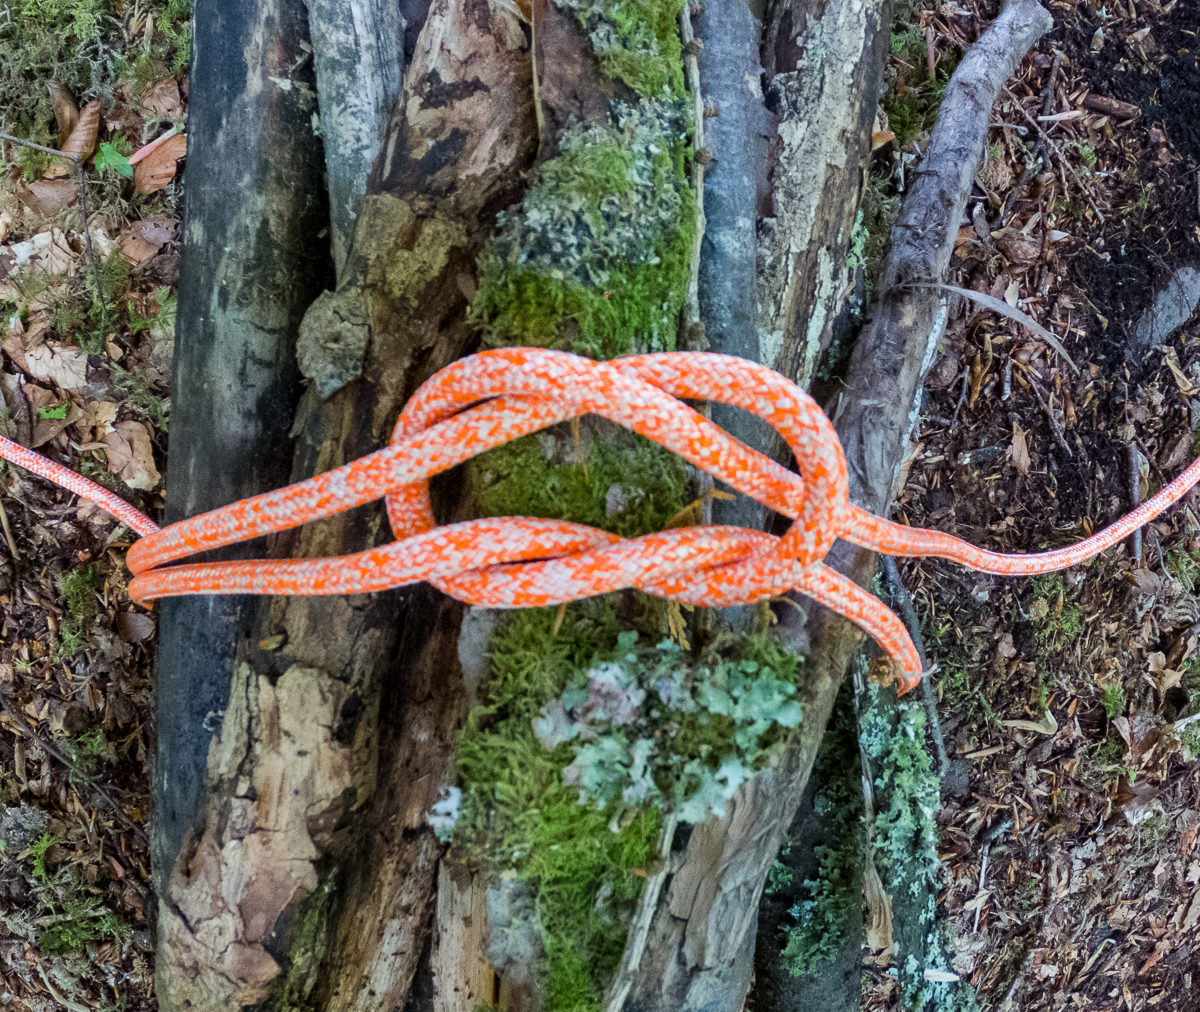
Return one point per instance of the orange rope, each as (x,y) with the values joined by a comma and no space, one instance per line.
(518,562)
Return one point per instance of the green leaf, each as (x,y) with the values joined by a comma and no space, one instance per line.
(109,157)
(58,413)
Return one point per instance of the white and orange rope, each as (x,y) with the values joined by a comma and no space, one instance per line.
(519,562)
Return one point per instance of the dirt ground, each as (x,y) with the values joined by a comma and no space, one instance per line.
(1091,893)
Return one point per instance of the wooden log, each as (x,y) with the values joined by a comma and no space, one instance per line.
(310,877)
(697,952)
(251,263)
(824,65)
(358,56)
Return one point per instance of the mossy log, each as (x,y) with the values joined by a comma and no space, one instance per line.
(320,896)
(308,876)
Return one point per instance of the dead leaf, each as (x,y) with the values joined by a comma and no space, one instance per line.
(1162,677)
(1020,249)
(131,455)
(1145,582)
(141,240)
(1186,386)
(46,197)
(63,366)
(1020,450)
(134,627)
(98,420)
(1048,724)
(5,224)
(66,112)
(47,252)
(879,911)
(157,169)
(81,143)
(1006,648)
(163,99)
(1012,294)
(1138,801)
(44,429)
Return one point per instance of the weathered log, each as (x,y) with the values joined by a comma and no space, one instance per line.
(697,957)
(824,65)
(358,56)
(309,879)
(251,265)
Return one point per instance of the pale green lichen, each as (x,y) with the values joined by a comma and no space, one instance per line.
(648,726)
(596,258)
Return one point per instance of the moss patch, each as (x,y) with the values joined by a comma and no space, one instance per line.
(824,920)
(520,478)
(637,41)
(597,256)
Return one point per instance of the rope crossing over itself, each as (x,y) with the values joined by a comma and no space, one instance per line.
(494,397)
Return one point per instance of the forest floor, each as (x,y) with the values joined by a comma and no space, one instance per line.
(1091,893)
(1091,896)
(85,376)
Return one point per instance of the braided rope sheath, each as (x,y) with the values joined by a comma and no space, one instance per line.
(491,398)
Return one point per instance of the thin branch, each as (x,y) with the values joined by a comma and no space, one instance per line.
(74,767)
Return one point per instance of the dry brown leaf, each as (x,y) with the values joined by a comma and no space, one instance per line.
(58,364)
(879,911)
(157,169)
(45,429)
(163,99)
(131,455)
(133,626)
(47,252)
(141,240)
(1048,724)
(1020,249)
(1020,450)
(46,197)
(81,143)
(66,112)
(5,224)
(97,421)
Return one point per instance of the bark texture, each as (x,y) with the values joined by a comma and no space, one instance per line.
(319,896)
(358,55)
(701,944)
(730,80)
(251,264)
(824,65)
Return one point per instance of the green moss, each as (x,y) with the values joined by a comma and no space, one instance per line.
(292,989)
(518,815)
(825,919)
(78,590)
(596,258)
(637,41)
(37,853)
(1113,699)
(518,479)
(1057,618)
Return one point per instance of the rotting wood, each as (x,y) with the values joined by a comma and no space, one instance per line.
(456,144)
(250,265)
(697,954)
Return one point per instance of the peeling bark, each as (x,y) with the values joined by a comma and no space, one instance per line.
(456,144)
(700,951)
(824,64)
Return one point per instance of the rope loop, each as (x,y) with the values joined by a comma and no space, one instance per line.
(491,398)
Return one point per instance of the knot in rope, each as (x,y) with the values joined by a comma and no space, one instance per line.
(489,399)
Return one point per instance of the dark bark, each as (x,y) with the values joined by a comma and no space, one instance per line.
(730,75)
(251,264)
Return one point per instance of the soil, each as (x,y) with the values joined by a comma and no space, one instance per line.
(1089,894)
